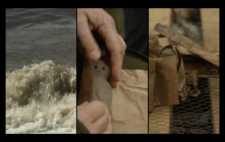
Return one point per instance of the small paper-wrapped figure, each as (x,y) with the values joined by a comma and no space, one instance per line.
(102,90)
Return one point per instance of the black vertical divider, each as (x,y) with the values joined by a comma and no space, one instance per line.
(148,70)
(77,67)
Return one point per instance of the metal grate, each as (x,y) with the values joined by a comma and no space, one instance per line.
(159,120)
(195,115)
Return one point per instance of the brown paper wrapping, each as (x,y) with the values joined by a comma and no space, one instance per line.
(86,88)
(166,81)
(163,80)
(192,84)
(167,78)
(130,103)
(154,47)
(151,83)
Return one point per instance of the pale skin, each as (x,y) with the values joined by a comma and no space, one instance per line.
(97,19)
(94,115)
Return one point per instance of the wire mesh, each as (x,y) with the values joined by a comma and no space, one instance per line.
(159,120)
(195,115)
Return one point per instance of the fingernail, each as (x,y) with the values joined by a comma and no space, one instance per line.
(93,52)
(113,84)
(119,75)
(94,55)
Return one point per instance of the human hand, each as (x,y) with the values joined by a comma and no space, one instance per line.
(99,20)
(95,117)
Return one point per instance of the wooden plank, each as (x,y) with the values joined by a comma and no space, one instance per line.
(188,44)
(209,76)
(210,33)
(210,28)
(193,62)
(159,120)
(159,15)
(213,84)
(184,51)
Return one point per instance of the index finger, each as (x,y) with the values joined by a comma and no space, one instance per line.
(107,30)
(117,65)
(116,46)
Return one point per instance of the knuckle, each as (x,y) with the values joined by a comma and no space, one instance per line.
(125,46)
(111,20)
(100,104)
(122,52)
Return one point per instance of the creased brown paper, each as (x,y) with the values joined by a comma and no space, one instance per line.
(167,79)
(151,85)
(154,47)
(163,77)
(130,103)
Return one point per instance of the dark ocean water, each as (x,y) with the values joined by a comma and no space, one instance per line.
(36,35)
(40,70)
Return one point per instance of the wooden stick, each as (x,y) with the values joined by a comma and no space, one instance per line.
(187,43)
(160,35)
(209,76)
(194,62)
(184,51)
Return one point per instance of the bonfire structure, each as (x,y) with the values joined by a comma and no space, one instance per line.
(184,71)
